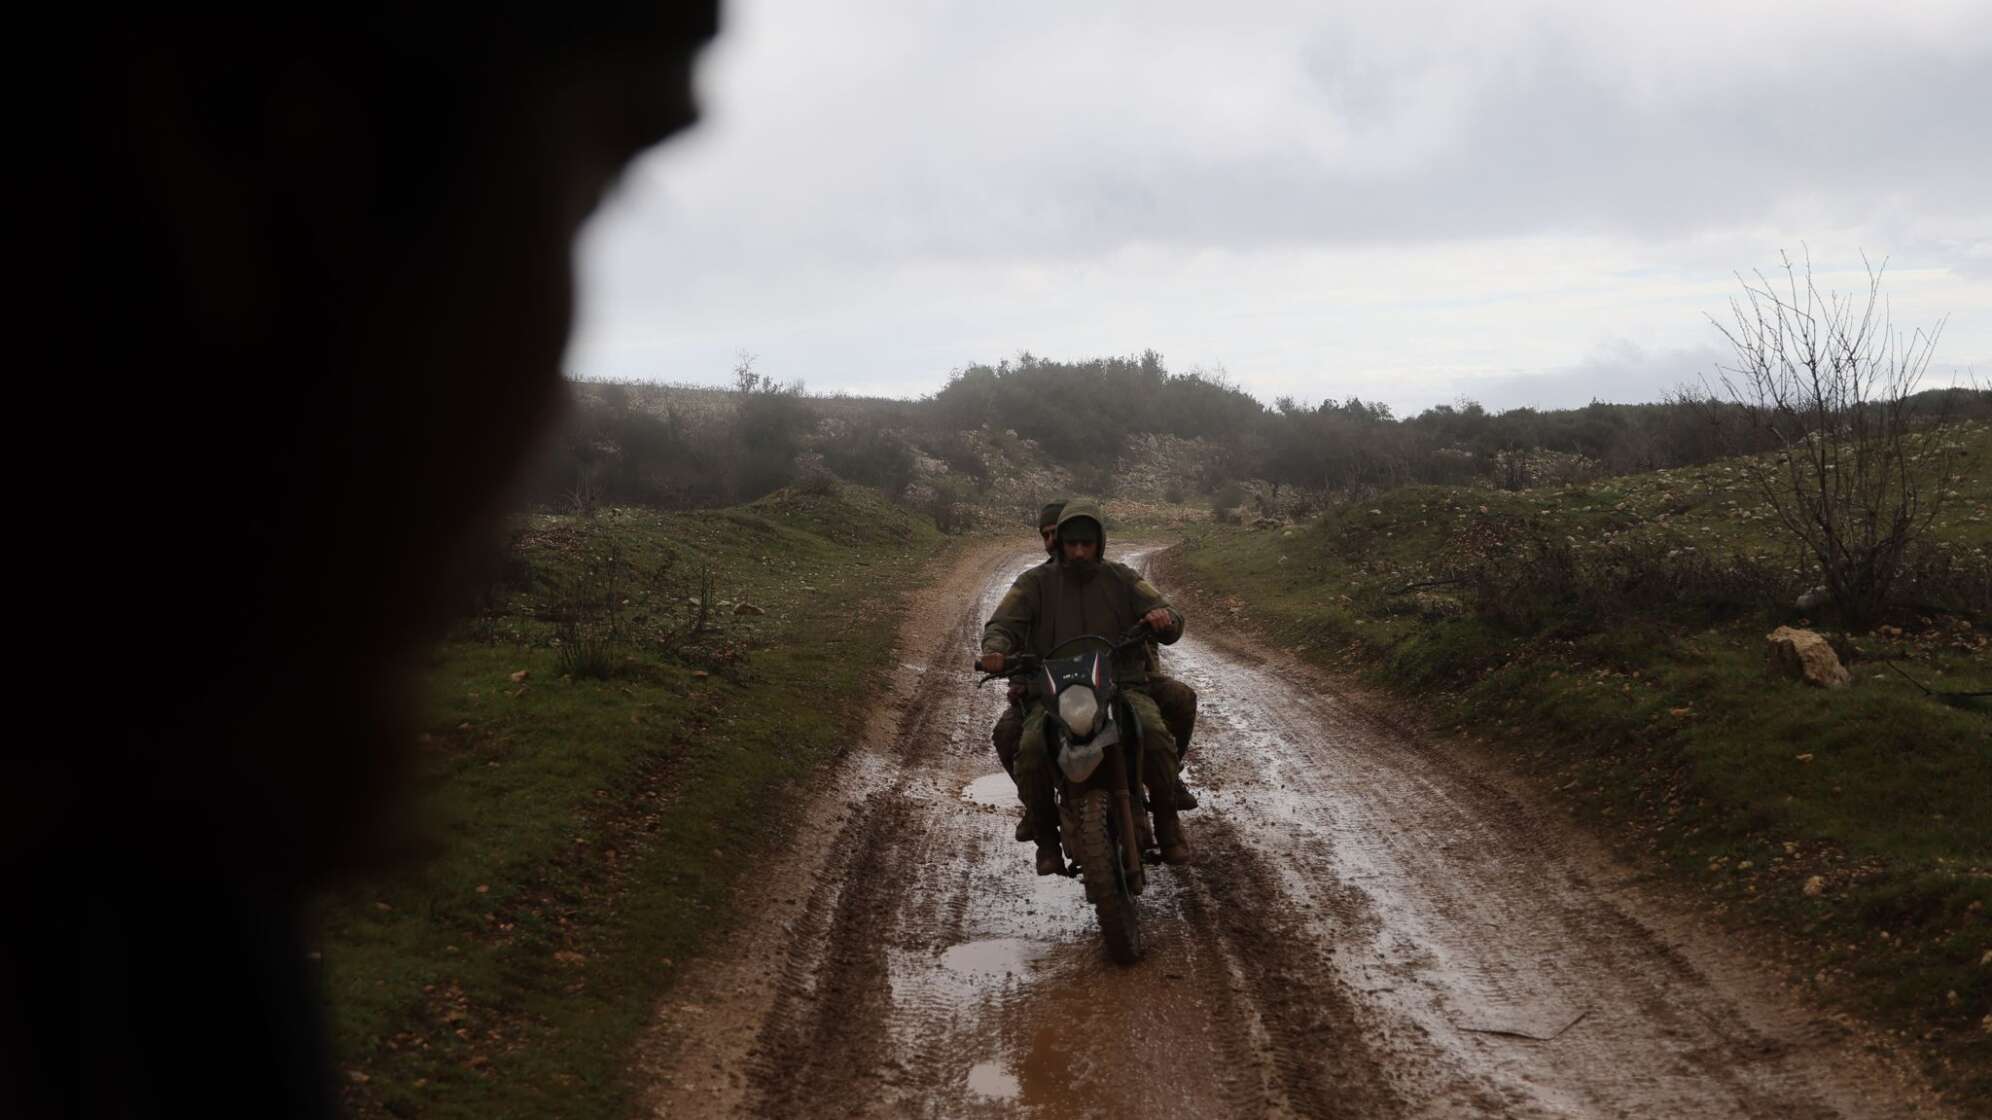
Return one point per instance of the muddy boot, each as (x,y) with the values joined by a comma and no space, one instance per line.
(1185,800)
(1041,813)
(1049,861)
(1169,837)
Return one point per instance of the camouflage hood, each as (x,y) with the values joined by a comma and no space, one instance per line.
(1089,510)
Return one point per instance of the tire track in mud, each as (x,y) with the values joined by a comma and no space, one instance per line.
(808,1050)
(802,1053)
(1322,1061)
(1247,1084)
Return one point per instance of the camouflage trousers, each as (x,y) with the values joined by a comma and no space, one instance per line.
(1175,700)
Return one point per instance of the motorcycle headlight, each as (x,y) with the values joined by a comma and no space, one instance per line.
(1078,707)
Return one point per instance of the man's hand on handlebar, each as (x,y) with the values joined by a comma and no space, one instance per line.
(1159,620)
(992,662)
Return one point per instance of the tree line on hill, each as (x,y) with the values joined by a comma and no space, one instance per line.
(1081,416)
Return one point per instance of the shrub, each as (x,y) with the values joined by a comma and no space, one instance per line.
(1526,576)
(1947,579)
(584,652)
(817,480)
(1831,385)
(589,621)
(961,456)
(949,505)
(868,454)
(768,428)
(1093,480)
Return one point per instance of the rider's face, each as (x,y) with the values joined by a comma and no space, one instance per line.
(1046,535)
(1081,550)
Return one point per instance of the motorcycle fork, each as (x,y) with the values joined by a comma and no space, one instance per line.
(1130,843)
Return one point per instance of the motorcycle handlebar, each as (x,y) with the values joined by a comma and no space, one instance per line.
(1016,664)
(1013,663)
(1139,632)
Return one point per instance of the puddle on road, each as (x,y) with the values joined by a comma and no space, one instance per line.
(971,977)
(994,790)
(1082,1037)
(1052,1028)
(991,1082)
(969,967)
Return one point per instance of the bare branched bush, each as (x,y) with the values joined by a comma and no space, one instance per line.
(1512,469)
(585,496)
(1826,380)
(590,625)
(702,613)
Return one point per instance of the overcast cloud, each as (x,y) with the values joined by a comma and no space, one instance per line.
(1524,203)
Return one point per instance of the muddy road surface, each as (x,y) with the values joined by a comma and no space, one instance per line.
(1374,926)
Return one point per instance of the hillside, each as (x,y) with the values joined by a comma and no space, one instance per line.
(1609,639)
(608,743)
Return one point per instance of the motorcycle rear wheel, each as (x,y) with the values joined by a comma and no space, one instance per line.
(1099,857)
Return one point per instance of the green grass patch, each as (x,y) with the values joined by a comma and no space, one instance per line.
(1612,636)
(587,829)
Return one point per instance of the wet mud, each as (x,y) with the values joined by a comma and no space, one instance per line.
(1372,928)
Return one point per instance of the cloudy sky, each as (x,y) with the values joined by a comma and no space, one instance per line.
(1530,202)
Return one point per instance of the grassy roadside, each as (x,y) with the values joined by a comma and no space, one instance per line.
(596,770)
(1854,824)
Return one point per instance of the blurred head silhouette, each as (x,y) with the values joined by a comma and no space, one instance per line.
(300,289)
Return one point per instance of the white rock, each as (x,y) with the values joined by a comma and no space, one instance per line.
(1805,655)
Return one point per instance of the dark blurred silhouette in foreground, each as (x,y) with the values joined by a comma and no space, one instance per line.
(307,273)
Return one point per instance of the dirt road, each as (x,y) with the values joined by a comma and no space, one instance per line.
(1372,928)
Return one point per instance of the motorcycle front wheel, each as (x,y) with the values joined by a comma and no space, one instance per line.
(1098,851)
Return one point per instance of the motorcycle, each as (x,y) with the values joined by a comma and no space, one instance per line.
(1095,741)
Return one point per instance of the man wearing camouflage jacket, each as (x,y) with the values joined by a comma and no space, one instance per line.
(1083,593)
(1176,701)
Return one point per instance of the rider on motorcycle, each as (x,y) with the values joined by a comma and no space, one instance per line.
(1083,593)
(1176,700)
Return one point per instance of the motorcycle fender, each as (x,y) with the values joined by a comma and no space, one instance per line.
(1079,760)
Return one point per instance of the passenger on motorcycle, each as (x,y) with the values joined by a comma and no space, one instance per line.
(1083,593)
(1009,729)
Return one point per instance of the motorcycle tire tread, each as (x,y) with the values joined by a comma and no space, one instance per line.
(1099,863)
